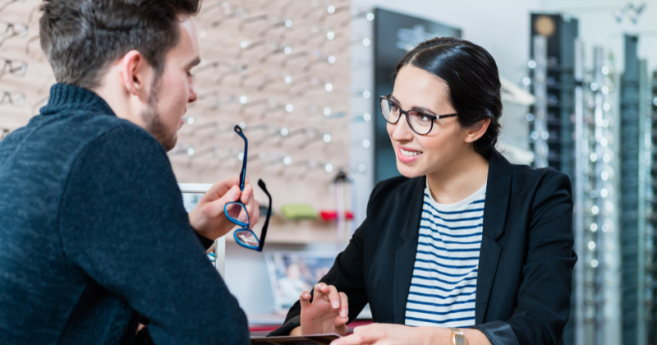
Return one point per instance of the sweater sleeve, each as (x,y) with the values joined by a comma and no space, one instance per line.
(122,221)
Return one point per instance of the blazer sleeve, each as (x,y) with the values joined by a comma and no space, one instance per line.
(347,273)
(543,304)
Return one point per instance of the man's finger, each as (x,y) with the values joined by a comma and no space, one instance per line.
(255,214)
(247,194)
(216,207)
(220,188)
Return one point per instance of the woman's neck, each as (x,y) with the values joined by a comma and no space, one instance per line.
(462,178)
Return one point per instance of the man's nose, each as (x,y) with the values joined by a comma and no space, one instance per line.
(193,96)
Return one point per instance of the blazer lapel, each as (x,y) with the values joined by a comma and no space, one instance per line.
(408,221)
(498,194)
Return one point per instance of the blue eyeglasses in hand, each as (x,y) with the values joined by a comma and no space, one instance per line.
(245,236)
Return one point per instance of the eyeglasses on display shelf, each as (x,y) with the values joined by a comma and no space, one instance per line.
(15,98)
(220,99)
(4,132)
(277,23)
(15,67)
(275,49)
(308,166)
(4,4)
(9,30)
(420,122)
(308,83)
(245,236)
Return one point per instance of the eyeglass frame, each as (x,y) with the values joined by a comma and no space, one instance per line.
(10,97)
(405,112)
(246,226)
(14,29)
(7,67)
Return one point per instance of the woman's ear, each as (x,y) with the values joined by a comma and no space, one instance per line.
(477,131)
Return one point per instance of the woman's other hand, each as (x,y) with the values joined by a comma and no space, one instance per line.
(391,334)
(328,312)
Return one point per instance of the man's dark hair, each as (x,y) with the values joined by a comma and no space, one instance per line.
(81,38)
(474,84)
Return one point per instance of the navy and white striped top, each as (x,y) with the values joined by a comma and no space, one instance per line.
(444,281)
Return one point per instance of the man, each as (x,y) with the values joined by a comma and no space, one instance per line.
(93,233)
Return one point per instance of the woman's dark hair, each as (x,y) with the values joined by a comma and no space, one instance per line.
(472,79)
(82,37)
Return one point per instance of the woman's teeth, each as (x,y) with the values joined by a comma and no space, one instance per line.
(409,153)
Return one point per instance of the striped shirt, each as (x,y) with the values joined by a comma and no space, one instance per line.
(444,283)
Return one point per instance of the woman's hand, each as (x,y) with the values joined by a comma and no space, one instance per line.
(208,218)
(390,334)
(328,312)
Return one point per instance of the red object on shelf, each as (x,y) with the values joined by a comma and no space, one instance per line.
(332,215)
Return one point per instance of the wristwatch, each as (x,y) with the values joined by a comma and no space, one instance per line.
(459,337)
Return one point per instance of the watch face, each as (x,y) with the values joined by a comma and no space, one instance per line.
(545,26)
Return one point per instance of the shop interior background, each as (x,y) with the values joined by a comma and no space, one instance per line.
(300,76)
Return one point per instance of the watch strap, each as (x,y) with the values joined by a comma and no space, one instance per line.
(458,337)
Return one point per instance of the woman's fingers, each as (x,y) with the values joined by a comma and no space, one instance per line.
(304,299)
(354,339)
(321,292)
(334,297)
(344,305)
(363,335)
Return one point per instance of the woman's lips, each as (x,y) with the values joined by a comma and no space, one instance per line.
(407,158)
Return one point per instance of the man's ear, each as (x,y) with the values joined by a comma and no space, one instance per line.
(477,131)
(135,71)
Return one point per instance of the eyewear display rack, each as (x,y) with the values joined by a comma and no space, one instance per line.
(651,254)
(559,130)
(637,237)
(281,69)
(595,303)
(574,130)
(25,75)
(552,51)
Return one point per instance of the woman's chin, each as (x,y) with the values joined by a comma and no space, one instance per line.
(407,171)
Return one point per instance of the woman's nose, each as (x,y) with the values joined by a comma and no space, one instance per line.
(401,131)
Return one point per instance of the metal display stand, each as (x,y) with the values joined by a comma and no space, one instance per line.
(541,133)
(581,185)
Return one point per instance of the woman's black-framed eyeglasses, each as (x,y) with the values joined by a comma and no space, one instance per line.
(245,236)
(420,122)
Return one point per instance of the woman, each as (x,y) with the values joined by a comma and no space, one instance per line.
(465,246)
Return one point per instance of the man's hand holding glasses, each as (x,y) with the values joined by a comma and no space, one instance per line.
(229,203)
(209,218)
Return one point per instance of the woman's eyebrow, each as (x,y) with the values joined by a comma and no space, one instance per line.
(416,108)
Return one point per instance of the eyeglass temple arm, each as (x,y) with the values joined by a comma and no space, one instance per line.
(263,233)
(238,130)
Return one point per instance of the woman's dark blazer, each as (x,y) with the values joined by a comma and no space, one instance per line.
(525,264)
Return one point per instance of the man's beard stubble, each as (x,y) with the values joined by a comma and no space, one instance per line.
(151,117)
